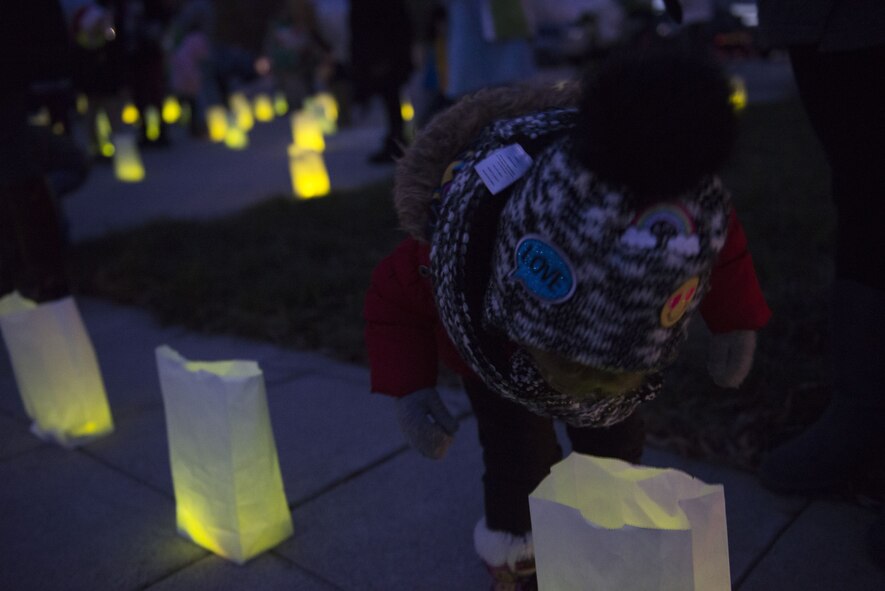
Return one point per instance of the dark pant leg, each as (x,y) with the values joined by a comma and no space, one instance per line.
(10,259)
(393,112)
(844,101)
(33,248)
(64,163)
(624,440)
(518,450)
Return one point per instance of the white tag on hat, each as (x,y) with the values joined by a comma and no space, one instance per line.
(503,167)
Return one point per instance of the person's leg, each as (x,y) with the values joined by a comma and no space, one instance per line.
(33,240)
(394,141)
(60,158)
(518,450)
(10,262)
(846,112)
(148,92)
(624,440)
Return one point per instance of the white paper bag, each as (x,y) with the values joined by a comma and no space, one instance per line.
(229,495)
(604,524)
(56,370)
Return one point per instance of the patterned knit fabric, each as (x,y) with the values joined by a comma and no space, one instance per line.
(574,272)
(618,269)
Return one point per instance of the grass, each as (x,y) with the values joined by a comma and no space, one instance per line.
(289,272)
(780,184)
(294,273)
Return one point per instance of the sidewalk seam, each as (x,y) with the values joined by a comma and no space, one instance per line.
(768,547)
(301,567)
(351,476)
(132,477)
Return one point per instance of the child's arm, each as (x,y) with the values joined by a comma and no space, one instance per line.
(399,330)
(735,300)
(734,309)
(400,321)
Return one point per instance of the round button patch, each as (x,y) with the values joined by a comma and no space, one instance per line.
(544,270)
(678,302)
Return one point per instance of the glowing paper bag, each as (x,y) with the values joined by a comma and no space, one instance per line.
(171,112)
(308,171)
(242,111)
(306,131)
(324,108)
(601,523)
(216,121)
(263,108)
(229,495)
(128,166)
(235,137)
(56,370)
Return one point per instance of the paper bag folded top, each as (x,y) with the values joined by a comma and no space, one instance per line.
(56,370)
(229,494)
(601,523)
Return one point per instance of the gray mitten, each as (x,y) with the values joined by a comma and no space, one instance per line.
(731,357)
(426,422)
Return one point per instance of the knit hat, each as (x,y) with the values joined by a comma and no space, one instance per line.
(532,249)
(579,272)
(461,250)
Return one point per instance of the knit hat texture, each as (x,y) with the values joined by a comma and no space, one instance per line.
(589,234)
(578,272)
(458,247)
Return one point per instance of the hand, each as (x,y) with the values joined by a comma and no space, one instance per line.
(426,422)
(731,357)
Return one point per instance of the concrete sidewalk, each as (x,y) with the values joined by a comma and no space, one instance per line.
(369,513)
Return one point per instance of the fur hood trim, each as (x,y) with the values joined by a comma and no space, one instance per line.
(420,170)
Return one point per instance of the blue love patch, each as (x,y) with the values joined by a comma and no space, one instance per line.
(544,270)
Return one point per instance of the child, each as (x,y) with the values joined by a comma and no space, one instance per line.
(560,240)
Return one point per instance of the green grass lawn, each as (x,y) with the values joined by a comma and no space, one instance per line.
(286,271)
(294,273)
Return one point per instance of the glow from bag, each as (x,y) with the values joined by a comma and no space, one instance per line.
(56,370)
(229,495)
(601,523)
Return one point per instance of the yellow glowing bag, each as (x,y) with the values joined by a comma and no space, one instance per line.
(229,495)
(600,523)
(56,369)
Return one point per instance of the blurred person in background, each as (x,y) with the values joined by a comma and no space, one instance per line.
(334,75)
(99,64)
(238,40)
(576,31)
(381,37)
(485,48)
(697,20)
(190,61)
(34,46)
(837,50)
(146,23)
(297,50)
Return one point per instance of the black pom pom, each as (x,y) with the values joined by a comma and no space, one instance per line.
(656,121)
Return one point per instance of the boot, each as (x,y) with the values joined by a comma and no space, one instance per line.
(509,558)
(847,441)
(391,150)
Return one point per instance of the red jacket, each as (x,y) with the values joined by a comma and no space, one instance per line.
(406,340)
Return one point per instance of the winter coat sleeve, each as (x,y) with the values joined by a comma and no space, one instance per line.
(735,300)
(400,319)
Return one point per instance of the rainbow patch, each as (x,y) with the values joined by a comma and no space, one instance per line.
(672,214)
